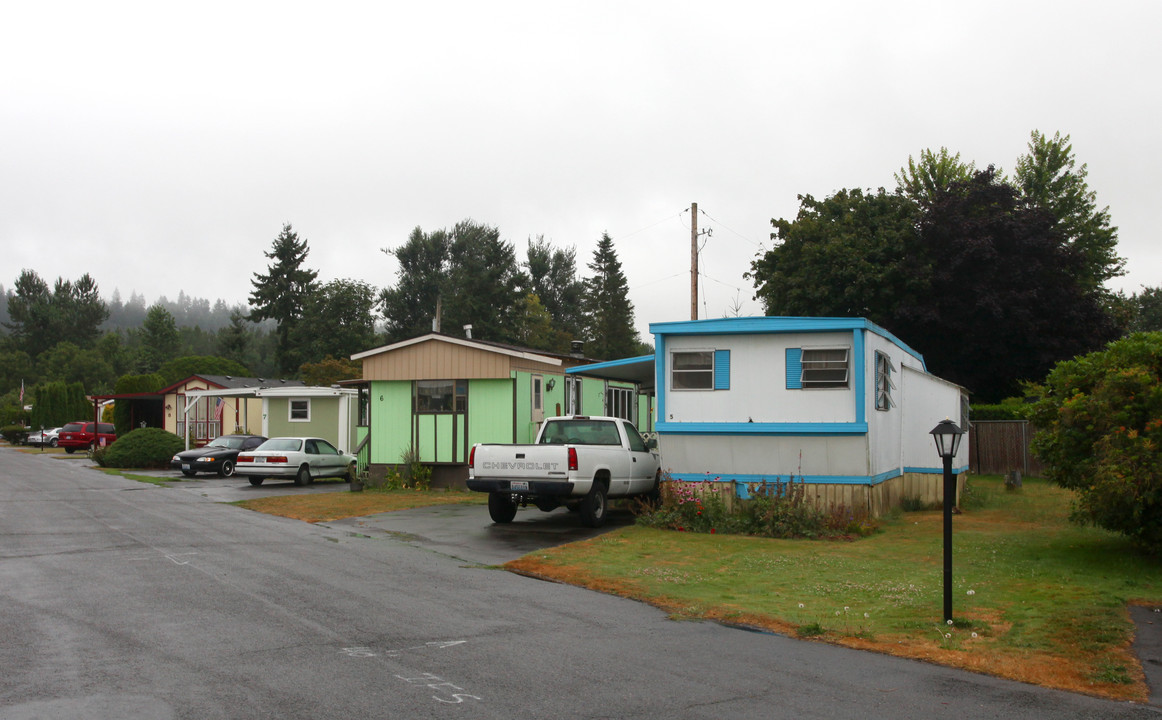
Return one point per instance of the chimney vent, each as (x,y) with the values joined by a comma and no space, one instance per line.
(468,331)
(577,348)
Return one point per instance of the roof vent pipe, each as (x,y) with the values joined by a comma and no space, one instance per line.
(468,331)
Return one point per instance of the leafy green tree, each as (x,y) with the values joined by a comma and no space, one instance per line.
(609,315)
(1050,181)
(16,367)
(338,319)
(483,282)
(849,255)
(935,173)
(553,279)
(468,271)
(1099,433)
(184,367)
(329,371)
(1002,284)
(159,338)
(280,294)
(1147,310)
(410,306)
(534,327)
(979,283)
(69,363)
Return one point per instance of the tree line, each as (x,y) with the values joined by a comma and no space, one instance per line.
(296,327)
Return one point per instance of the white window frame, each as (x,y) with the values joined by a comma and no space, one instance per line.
(709,372)
(572,395)
(819,365)
(884,385)
(538,397)
(290,410)
(620,402)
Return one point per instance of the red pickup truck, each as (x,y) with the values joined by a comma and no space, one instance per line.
(79,435)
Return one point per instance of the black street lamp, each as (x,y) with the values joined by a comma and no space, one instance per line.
(947,436)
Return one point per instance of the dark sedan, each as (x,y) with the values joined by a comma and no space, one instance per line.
(218,456)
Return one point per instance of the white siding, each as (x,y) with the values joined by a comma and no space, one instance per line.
(929,400)
(758,390)
(764,455)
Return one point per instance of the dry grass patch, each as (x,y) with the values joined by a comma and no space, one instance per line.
(324,507)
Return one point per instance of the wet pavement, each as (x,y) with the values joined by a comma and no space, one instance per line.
(467,533)
(464,532)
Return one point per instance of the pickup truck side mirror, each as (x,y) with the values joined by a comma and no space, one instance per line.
(652,444)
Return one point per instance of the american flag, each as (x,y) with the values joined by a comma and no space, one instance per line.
(218,408)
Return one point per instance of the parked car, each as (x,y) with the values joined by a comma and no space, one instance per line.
(300,458)
(82,436)
(218,456)
(48,436)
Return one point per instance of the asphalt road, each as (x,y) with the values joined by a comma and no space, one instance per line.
(132,601)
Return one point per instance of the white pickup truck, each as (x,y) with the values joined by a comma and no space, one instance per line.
(578,461)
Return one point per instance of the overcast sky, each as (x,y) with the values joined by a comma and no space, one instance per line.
(161,146)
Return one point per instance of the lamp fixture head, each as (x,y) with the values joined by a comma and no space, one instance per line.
(947,436)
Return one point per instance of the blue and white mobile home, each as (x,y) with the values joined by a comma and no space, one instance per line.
(837,402)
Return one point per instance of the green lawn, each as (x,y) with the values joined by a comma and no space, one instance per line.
(1035,598)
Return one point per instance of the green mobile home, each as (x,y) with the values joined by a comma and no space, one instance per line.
(437,395)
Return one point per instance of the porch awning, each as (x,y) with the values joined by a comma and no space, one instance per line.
(638,370)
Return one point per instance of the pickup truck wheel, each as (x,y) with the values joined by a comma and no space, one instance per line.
(501,508)
(256,481)
(304,476)
(70,450)
(595,506)
(654,497)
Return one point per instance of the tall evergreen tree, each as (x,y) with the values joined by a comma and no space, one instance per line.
(280,294)
(609,317)
(159,339)
(234,339)
(40,318)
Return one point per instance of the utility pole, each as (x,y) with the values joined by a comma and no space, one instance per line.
(694,259)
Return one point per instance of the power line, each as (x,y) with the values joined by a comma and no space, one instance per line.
(719,222)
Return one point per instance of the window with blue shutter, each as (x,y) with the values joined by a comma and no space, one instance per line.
(721,369)
(794,368)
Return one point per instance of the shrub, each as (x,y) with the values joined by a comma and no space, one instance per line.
(775,509)
(142,448)
(1099,422)
(14,434)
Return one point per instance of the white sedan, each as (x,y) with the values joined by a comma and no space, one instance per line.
(300,458)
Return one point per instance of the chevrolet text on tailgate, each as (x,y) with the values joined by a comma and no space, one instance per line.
(578,461)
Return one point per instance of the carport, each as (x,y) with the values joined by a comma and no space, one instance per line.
(637,370)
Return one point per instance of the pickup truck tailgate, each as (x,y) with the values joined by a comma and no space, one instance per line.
(521,461)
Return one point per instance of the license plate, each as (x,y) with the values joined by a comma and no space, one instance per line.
(185,466)
(516,485)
